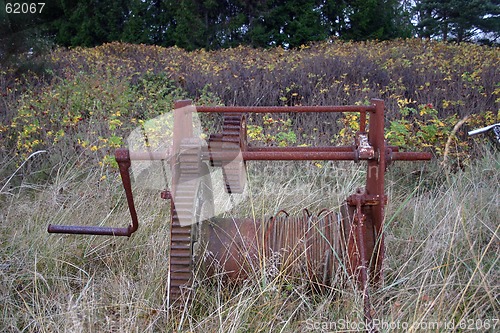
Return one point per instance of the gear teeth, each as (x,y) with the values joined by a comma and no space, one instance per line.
(233,139)
(215,146)
(181,257)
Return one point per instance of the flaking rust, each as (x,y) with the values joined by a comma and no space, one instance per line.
(321,248)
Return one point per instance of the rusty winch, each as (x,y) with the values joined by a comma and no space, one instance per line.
(313,246)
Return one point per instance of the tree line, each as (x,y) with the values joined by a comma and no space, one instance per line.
(211,24)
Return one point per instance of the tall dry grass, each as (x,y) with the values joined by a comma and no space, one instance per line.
(441,265)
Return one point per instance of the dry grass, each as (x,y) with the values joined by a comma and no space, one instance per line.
(441,264)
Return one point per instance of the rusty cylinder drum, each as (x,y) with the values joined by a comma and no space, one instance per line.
(308,248)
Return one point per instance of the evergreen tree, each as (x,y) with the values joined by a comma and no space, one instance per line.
(457,19)
(334,16)
(160,16)
(232,23)
(26,33)
(288,23)
(490,23)
(187,29)
(214,24)
(91,22)
(137,25)
(375,19)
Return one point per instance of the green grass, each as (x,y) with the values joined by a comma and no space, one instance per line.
(441,265)
(441,224)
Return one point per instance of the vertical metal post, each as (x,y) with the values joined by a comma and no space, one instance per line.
(375,182)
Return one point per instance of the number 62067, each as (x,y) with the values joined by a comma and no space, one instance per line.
(24,7)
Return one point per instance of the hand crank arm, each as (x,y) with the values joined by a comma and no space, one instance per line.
(122,157)
(88,230)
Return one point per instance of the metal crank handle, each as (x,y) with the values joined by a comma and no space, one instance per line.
(88,230)
(122,157)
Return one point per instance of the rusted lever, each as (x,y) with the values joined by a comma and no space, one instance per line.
(122,157)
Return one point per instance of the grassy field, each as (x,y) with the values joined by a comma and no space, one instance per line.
(66,112)
(441,264)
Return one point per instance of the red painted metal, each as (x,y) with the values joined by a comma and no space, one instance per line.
(285,109)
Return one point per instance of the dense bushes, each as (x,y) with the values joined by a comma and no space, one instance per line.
(91,98)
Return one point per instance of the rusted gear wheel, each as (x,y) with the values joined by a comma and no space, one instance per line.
(233,143)
(193,202)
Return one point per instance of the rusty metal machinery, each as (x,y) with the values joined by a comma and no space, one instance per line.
(316,247)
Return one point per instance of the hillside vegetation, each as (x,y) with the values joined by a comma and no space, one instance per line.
(62,115)
(91,98)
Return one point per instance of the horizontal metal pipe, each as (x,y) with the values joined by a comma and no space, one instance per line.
(276,155)
(312,149)
(271,154)
(301,149)
(297,156)
(285,109)
(88,230)
(411,156)
(166,154)
(286,153)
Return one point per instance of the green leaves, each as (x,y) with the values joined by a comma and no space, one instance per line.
(399,133)
(100,94)
(424,129)
(277,132)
